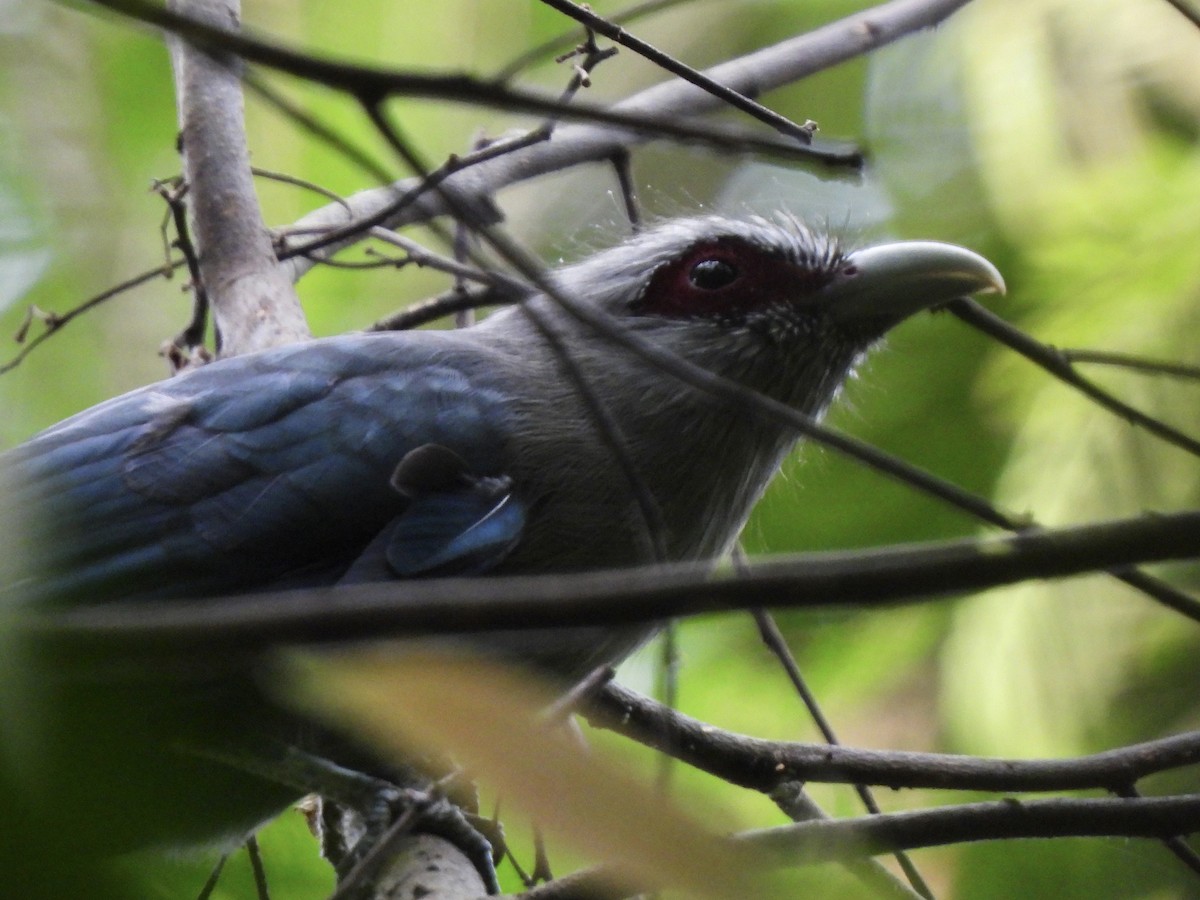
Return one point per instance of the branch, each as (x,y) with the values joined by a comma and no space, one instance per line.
(569,39)
(186,349)
(792,800)
(822,841)
(596,883)
(733,98)
(753,74)
(371,85)
(1059,365)
(1132,362)
(253,302)
(255,305)
(430,866)
(454,301)
(912,573)
(764,765)
(794,803)
(56,322)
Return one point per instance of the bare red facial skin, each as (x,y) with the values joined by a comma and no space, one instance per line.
(727,278)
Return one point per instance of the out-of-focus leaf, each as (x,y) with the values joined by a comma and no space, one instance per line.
(486,716)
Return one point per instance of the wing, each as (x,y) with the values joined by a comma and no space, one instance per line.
(273,470)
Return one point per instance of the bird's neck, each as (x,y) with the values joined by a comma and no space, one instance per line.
(703,461)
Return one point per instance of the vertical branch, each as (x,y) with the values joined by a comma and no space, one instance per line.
(253,303)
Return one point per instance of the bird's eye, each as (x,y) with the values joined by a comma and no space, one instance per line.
(713,274)
(719,279)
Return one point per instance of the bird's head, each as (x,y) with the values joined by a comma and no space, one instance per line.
(779,306)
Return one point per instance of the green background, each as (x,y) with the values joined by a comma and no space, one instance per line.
(1059,137)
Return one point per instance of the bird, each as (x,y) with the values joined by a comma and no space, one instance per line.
(383,457)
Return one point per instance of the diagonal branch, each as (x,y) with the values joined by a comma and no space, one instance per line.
(568,39)
(1059,365)
(752,74)
(773,637)
(58,321)
(619,35)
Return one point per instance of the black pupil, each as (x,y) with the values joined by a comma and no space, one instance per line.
(712,274)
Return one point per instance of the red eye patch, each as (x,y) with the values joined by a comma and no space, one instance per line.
(723,278)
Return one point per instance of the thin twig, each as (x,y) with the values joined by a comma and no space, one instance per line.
(449,303)
(667,689)
(621,164)
(775,640)
(284,178)
(565,40)
(1058,365)
(181,350)
(214,876)
(256,867)
(60,320)
(318,129)
(379,260)
(423,257)
(727,95)
(464,318)
(1130,361)
(1159,591)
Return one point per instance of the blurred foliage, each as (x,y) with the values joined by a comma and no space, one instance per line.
(1058,136)
(489,719)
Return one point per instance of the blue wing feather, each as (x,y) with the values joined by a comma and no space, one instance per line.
(462,534)
(266,470)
